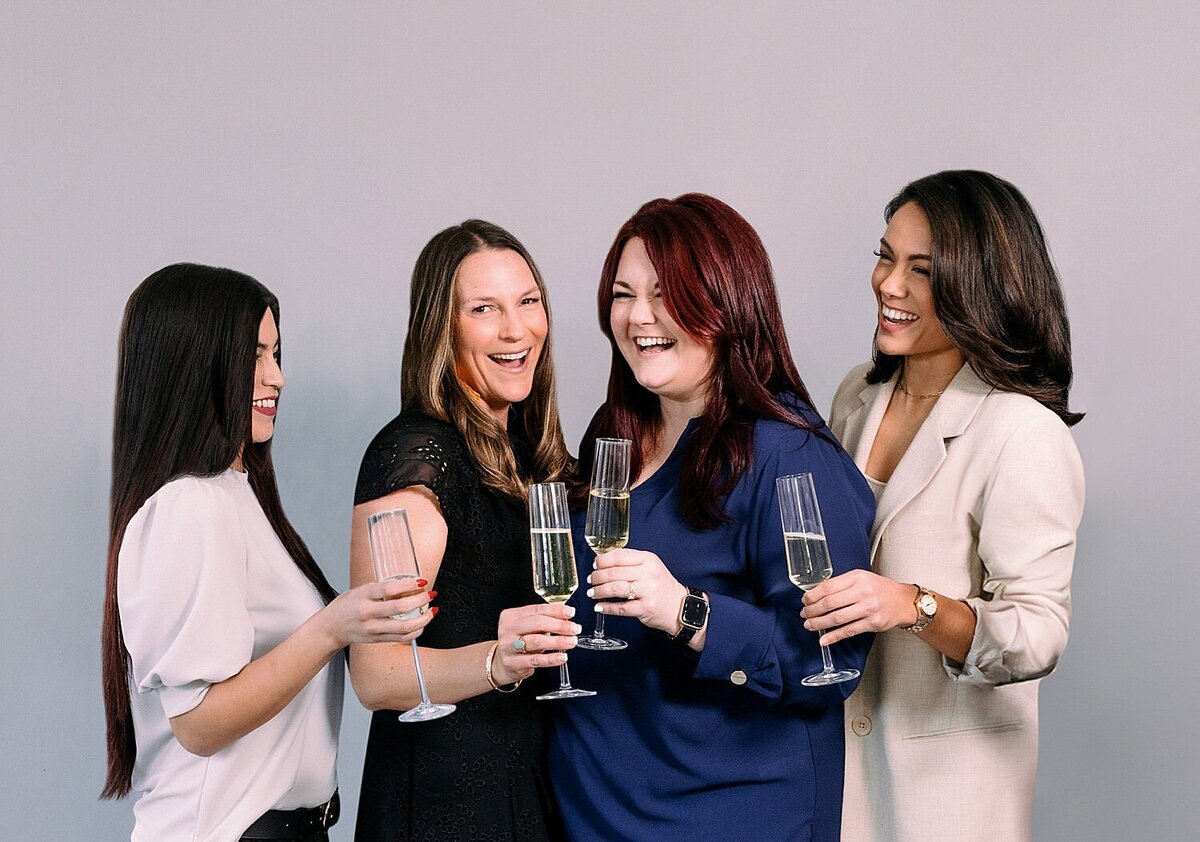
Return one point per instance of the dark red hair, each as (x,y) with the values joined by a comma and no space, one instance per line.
(716,282)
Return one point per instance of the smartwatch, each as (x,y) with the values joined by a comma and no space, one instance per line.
(693,614)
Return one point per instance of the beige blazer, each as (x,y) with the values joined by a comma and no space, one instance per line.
(983,507)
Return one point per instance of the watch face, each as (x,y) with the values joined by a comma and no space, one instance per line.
(695,612)
(928,604)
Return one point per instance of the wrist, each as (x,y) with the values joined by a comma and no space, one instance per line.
(323,627)
(496,676)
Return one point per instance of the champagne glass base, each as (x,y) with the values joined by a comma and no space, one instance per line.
(821,679)
(601,644)
(566,693)
(424,712)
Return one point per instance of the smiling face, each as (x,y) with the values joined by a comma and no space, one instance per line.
(501,328)
(663,357)
(268,381)
(908,322)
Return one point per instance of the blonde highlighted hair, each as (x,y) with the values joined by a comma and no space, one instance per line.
(429,381)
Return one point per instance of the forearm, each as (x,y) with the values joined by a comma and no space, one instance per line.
(385,678)
(236,706)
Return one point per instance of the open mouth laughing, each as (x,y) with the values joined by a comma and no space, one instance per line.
(653,344)
(512,361)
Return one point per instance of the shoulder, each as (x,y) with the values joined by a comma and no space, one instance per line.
(413,434)
(185,515)
(849,392)
(772,435)
(196,498)
(1022,429)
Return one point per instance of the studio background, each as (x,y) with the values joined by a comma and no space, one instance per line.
(319,146)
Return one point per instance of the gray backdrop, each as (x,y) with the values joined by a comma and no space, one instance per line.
(319,146)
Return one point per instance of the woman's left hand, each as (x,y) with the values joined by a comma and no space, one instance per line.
(641,586)
(856,602)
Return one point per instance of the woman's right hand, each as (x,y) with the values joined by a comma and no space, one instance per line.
(545,632)
(365,614)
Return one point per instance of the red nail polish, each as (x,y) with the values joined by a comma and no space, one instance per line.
(421,583)
(433,611)
(432,594)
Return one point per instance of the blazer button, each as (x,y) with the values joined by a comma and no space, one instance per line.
(737,677)
(861,725)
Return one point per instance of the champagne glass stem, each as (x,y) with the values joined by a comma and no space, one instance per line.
(420,674)
(564,677)
(599,630)
(826,659)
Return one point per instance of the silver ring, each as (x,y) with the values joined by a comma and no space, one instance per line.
(630,594)
(519,644)
(422,609)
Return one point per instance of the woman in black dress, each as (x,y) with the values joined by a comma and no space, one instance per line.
(478,423)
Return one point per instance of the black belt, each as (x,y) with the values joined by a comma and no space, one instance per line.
(296,824)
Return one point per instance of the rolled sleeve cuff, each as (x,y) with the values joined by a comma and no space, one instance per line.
(991,660)
(737,646)
(177,701)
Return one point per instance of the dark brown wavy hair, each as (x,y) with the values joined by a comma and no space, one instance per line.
(995,289)
(716,282)
(185,380)
(429,381)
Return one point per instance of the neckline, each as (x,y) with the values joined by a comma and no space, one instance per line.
(665,476)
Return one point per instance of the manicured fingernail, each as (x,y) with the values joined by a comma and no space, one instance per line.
(591,592)
(432,594)
(562,658)
(589,578)
(598,607)
(572,640)
(433,611)
(422,583)
(808,625)
(570,611)
(576,628)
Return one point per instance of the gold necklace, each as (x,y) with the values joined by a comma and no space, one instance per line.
(900,383)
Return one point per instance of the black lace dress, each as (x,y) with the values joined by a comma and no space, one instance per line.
(479,773)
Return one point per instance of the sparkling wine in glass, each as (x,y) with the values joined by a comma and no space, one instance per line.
(394,557)
(808,556)
(607,525)
(554,575)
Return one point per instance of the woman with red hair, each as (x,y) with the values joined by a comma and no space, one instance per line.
(703,718)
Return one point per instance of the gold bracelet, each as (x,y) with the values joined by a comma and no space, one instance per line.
(487,669)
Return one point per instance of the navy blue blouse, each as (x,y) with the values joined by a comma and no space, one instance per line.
(724,743)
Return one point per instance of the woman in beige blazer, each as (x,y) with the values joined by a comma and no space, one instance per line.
(961,426)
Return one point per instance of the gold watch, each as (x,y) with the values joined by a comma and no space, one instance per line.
(927,605)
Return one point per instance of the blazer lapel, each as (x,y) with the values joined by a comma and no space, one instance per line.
(948,419)
(861,425)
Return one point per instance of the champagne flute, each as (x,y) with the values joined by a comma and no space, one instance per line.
(394,557)
(607,525)
(808,556)
(554,576)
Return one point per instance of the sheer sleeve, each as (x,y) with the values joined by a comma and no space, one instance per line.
(412,450)
(181,589)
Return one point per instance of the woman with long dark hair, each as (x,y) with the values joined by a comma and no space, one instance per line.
(961,427)
(478,422)
(702,728)
(222,639)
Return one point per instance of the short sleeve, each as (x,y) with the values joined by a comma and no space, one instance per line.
(181,590)
(407,452)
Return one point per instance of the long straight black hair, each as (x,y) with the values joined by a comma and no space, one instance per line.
(994,286)
(185,375)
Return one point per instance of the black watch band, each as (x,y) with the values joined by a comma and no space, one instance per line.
(693,614)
